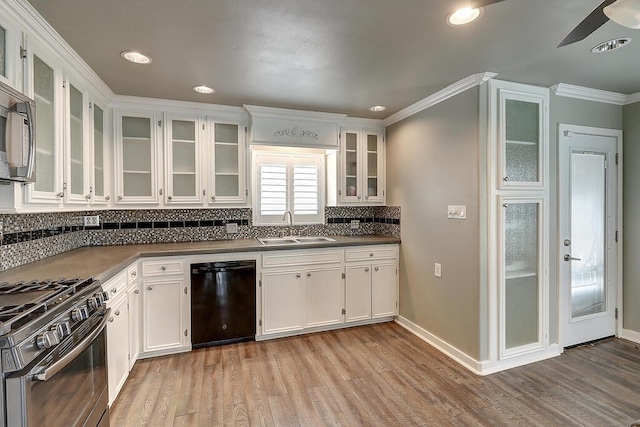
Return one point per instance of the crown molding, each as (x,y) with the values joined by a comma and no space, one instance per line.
(589,94)
(278,113)
(38,27)
(442,95)
(633,98)
(161,105)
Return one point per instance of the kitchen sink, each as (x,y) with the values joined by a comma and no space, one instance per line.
(295,240)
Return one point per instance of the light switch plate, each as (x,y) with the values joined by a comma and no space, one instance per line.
(438,270)
(457,212)
(232,227)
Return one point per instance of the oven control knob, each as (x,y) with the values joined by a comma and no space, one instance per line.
(62,329)
(93,303)
(105,296)
(47,339)
(80,313)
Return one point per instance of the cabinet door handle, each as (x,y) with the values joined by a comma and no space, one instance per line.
(308,274)
(149,288)
(366,269)
(170,197)
(88,196)
(117,313)
(107,198)
(60,194)
(137,291)
(505,179)
(114,290)
(298,275)
(376,269)
(160,191)
(163,268)
(213,197)
(359,197)
(371,254)
(119,197)
(134,273)
(111,319)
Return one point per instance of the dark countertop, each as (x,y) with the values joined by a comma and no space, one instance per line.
(103,262)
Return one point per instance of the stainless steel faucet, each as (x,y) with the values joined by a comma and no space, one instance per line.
(289,218)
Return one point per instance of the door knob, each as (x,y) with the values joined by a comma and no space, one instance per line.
(568,257)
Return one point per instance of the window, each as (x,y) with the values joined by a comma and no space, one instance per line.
(288,182)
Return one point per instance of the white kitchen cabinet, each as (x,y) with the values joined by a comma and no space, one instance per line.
(164,326)
(77,140)
(99,187)
(282,301)
(10,61)
(227,183)
(183,145)
(134,296)
(118,346)
(518,221)
(136,161)
(362,176)
(371,282)
(324,296)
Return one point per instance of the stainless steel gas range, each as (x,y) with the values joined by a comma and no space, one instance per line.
(53,349)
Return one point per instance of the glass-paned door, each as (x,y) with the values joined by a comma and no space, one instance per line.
(46,148)
(136,158)
(3,52)
(183,160)
(227,161)
(522,289)
(350,190)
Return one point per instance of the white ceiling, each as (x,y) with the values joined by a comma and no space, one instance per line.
(334,55)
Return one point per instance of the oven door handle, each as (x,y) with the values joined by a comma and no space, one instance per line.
(67,358)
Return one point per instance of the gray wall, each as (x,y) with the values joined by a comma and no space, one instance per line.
(432,162)
(631,164)
(575,112)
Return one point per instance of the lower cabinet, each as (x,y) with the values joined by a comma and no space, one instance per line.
(324,296)
(163,314)
(282,301)
(384,289)
(134,297)
(358,292)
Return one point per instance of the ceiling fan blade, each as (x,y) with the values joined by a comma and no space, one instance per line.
(483,3)
(595,20)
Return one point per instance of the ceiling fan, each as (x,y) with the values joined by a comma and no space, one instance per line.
(623,12)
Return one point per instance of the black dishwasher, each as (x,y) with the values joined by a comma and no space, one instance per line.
(223,302)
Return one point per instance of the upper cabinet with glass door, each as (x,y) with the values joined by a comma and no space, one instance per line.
(182,156)
(76,185)
(522,136)
(361,167)
(136,171)
(227,183)
(10,54)
(98,189)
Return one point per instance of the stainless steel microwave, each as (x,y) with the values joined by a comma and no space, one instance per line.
(17,136)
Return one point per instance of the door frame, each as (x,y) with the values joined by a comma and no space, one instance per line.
(611,133)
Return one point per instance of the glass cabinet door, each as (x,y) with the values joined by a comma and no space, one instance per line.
(522,140)
(522,280)
(136,158)
(75,179)
(374,167)
(98,154)
(3,52)
(46,147)
(350,190)
(182,160)
(227,171)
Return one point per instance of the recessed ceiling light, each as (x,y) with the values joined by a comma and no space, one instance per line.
(203,89)
(377,108)
(610,45)
(464,16)
(136,57)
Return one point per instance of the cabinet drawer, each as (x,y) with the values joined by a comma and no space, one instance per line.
(116,286)
(371,252)
(301,257)
(161,268)
(132,272)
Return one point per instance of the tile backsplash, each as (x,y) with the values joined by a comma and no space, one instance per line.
(34,236)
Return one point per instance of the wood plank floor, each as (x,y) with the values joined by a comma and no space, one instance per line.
(378,375)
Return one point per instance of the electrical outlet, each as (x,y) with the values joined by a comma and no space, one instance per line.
(91,220)
(355,224)
(457,212)
(232,227)
(438,270)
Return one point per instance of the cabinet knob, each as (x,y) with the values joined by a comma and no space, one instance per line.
(359,197)
(107,198)
(163,268)
(366,197)
(371,254)
(169,197)
(160,191)
(505,179)
(119,197)
(149,288)
(60,194)
(298,275)
(88,196)
(309,274)
(117,313)
(134,273)
(366,269)
(213,197)
(111,319)
(505,205)
(114,290)
(137,291)
(376,269)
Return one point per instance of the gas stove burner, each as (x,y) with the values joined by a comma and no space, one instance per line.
(23,302)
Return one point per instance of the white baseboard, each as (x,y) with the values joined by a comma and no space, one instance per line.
(630,335)
(284,334)
(465,360)
(485,367)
